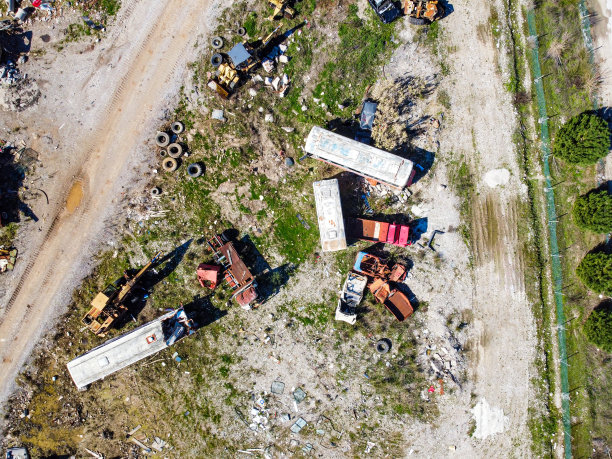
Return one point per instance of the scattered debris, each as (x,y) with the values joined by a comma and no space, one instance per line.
(298,425)
(8,257)
(277,387)
(299,395)
(218,115)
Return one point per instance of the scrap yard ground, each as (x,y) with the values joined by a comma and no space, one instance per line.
(480,335)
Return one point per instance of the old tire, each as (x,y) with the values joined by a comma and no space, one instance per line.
(178,127)
(175,150)
(195,170)
(216,60)
(170,164)
(383,346)
(162,139)
(217,42)
(155,191)
(163,153)
(241,31)
(417,21)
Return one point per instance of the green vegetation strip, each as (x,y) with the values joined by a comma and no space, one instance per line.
(552,227)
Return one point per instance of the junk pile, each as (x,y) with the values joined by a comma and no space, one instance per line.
(171,151)
(8,257)
(17,91)
(373,272)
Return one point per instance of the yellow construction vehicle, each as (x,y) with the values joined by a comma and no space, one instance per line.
(421,12)
(281,8)
(237,63)
(108,306)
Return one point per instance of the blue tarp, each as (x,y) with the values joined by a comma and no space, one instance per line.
(360,256)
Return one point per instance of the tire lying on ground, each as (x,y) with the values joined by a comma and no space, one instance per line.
(163,153)
(170,164)
(241,31)
(178,127)
(195,170)
(216,60)
(217,42)
(162,139)
(175,150)
(155,191)
(383,346)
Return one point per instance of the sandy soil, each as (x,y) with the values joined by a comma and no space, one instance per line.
(93,128)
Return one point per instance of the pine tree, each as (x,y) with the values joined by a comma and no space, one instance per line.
(584,139)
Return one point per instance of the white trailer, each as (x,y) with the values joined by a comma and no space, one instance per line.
(129,348)
(359,158)
(329,214)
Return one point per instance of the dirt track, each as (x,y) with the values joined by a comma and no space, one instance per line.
(130,77)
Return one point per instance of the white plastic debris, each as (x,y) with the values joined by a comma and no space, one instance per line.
(218,115)
(276,83)
(287,129)
(269,118)
(268,81)
(283,59)
(285,79)
(252,92)
(283,48)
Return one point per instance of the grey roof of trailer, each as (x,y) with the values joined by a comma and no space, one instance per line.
(329,215)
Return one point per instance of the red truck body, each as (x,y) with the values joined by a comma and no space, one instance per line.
(374,231)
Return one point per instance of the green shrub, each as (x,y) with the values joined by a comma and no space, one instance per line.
(598,328)
(593,211)
(595,270)
(584,139)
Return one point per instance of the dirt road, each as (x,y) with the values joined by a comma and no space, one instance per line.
(110,100)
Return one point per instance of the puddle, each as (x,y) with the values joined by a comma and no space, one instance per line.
(74,197)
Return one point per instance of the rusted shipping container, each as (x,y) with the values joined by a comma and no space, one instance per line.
(329,215)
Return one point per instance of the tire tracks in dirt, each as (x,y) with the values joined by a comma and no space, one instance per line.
(52,268)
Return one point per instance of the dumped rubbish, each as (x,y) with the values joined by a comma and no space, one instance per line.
(383,346)
(8,257)
(208,275)
(366,122)
(175,150)
(269,118)
(162,139)
(350,297)
(369,446)
(235,272)
(302,221)
(194,170)
(109,306)
(169,164)
(307,449)
(374,231)
(289,161)
(178,127)
(329,214)
(298,425)
(299,395)
(356,157)
(218,115)
(430,245)
(277,387)
(129,348)
(19,452)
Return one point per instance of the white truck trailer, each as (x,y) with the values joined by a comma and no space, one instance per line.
(329,215)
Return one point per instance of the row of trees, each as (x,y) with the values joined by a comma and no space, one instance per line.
(584,140)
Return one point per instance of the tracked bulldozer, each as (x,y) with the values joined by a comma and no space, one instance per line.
(281,9)
(109,306)
(421,12)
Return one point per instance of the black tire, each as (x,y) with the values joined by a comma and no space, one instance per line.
(175,150)
(162,139)
(163,153)
(178,127)
(195,170)
(155,191)
(170,164)
(241,31)
(417,21)
(383,346)
(217,42)
(216,60)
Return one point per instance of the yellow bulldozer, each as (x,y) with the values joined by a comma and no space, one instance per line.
(421,12)
(281,9)
(108,306)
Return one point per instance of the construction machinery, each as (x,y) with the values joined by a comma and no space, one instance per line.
(281,9)
(109,306)
(421,12)
(237,63)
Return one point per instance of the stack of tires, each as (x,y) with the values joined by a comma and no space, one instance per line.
(171,150)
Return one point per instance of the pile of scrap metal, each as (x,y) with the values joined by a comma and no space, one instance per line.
(235,272)
(8,257)
(234,66)
(373,272)
(129,348)
(109,306)
(373,231)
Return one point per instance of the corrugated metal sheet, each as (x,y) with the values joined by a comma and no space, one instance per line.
(359,158)
(329,213)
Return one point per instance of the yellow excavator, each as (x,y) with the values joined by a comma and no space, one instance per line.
(421,12)
(281,9)
(108,306)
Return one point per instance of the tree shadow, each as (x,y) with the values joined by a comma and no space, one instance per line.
(14,165)
(15,44)
(606,114)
